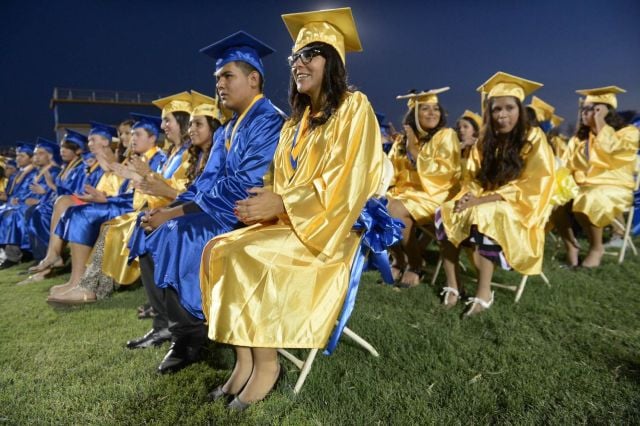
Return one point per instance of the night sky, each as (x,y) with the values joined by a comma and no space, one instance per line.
(152,46)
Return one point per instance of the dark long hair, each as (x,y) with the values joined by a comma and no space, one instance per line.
(121,149)
(410,120)
(334,87)
(502,157)
(182,118)
(195,167)
(612,118)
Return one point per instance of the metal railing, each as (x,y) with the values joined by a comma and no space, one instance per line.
(61,94)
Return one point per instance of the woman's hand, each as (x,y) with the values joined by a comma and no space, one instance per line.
(92,195)
(413,144)
(467,200)
(262,205)
(153,185)
(599,113)
(153,218)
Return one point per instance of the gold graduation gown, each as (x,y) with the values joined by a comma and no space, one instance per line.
(559,146)
(283,284)
(119,230)
(605,178)
(434,179)
(517,223)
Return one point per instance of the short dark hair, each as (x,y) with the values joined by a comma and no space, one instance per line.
(248,69)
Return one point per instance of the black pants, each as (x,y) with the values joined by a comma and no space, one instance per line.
(166,303)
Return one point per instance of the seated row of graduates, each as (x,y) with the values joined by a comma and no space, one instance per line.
(280,282)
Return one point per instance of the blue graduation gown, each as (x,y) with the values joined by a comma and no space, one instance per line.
(176,246)
(81,224)
(39,219)
(14,229)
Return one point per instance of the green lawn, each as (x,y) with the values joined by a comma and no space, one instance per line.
(563,355)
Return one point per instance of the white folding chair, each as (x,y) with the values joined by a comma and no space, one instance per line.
(626,240)
(305,365)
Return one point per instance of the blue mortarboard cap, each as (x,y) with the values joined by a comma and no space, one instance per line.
(104,130)
(26,148)
(11,162)
(51,147)
(240,46)
(77,138)
(381,119)
(148,122)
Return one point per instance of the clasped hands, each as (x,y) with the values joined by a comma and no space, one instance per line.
(263,205)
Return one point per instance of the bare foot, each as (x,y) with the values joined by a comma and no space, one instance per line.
(572,255)
(410,279)
(593,259)
(61,288)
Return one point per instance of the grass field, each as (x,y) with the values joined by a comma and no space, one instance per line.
(568,354)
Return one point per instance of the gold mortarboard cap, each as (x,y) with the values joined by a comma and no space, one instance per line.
(503,84)
(178,102)
(206,105)
(336,27)
(473,116)
(543,110)
(602,95)
(556,120)
(425,97)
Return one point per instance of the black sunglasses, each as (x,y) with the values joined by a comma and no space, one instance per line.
(305,56)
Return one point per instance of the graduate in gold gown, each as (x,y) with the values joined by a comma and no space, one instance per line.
(427,170)
(281,282)
(468,129)
(602,157)
(505,198)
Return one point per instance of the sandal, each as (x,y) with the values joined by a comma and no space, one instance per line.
(147,313)
(445,296)
(42,266)
(403,284)
(476,301)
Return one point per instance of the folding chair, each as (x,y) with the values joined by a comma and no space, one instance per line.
(305,365)
(627,241)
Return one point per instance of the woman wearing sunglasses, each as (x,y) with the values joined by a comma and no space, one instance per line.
(281,282)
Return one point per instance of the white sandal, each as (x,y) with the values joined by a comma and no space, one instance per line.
(473,301)
(446,291)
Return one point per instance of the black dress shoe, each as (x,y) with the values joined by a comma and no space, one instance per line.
(7,264)
(183,351)
(152,338)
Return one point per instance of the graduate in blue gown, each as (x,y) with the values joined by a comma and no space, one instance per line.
(241,154)
(99,140)
(80,225)
(69,181)
(13,230)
